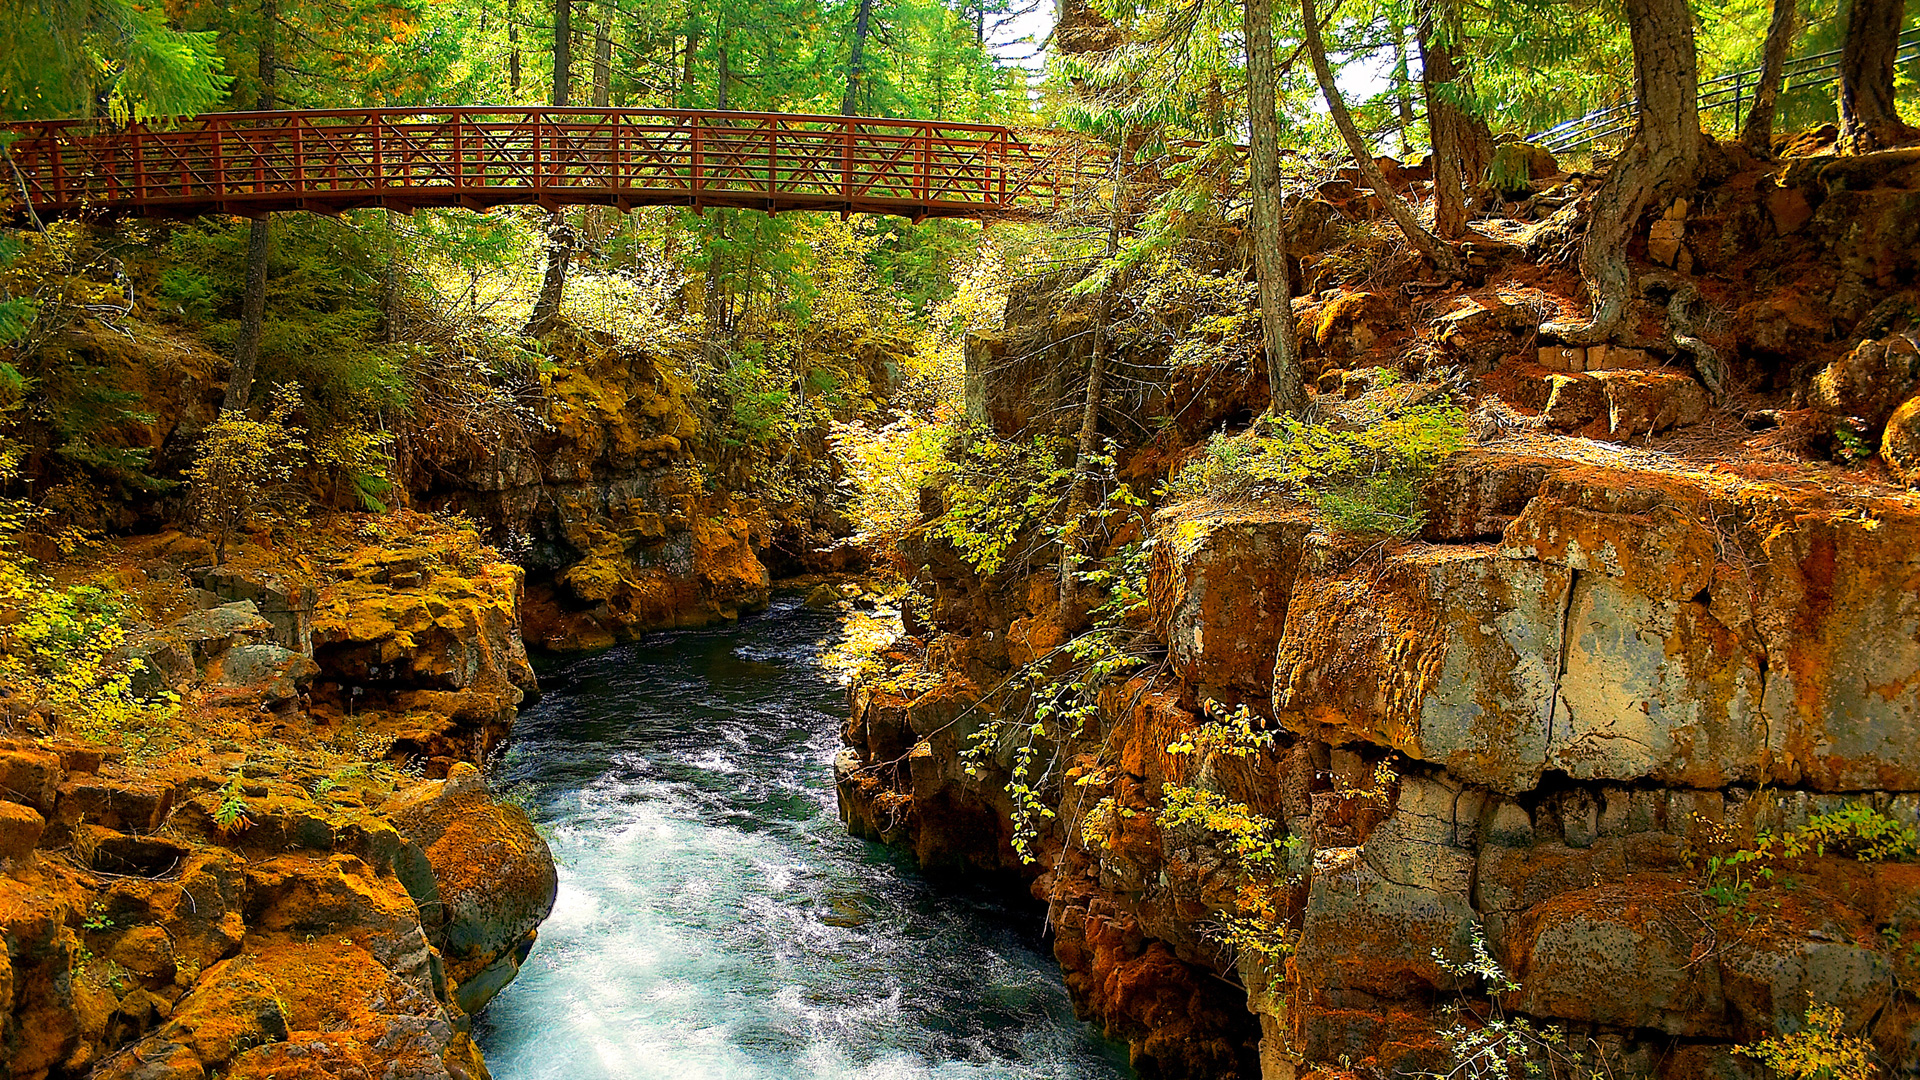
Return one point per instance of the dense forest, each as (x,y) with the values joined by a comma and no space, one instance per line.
(1392,522)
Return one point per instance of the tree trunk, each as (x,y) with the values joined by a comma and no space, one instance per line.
(603,56)
(723,76)
(1401,78)
(1868,120)
(1284,387)
(1427,244)
(562,52)
(856,71)
(513,48)
(1460,139)
(686,70)
(1071,547)
(1757,135)
(553,283)
(253,302)
(1661,160)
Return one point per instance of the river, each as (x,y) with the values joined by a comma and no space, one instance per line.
(715,922)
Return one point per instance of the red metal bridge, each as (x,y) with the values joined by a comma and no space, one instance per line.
(334,160)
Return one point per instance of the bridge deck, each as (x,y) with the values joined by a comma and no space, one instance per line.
(335,160)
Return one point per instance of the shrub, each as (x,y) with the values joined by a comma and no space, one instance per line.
(1820,1051)
(888,467)
(1856,832)
(998,492)
(1366,480)
(57,644)
(243,470)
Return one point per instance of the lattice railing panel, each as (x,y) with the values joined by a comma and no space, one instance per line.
(337,159)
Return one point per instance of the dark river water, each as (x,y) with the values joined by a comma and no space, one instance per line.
(714,919)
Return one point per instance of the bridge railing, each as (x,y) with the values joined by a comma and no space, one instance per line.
(1734,90)
(334,160)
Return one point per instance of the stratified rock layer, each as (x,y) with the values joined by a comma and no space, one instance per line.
(1583,678)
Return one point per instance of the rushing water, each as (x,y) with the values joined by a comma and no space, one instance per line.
(716,923)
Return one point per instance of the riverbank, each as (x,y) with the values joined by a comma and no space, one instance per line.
(284,854)
(1515,700)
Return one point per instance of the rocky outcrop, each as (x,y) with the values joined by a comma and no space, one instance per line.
(254,889)
(1582,680)
(493,879)
(628,505)
(417,640)
(244,913)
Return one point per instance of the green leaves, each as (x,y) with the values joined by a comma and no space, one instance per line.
(1362,479)
(58,58)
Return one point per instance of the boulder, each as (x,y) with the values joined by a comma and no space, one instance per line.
(1219,587)
(495,879)
(20,829)
(269,674)
(209,633)
(1900,442)
(1870,381)
(157,662)
(31,777)
(1483,335)
(1640,403)
(1620,954)
(284,603)
(1573,402)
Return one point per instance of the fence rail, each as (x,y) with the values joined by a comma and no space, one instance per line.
(1733,90)
(336,160)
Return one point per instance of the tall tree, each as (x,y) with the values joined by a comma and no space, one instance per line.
(1285,389)
(1432,247)
(603,55)
(856,70)
(66,58)
(1660,161)
(513,49)
(553,282)
(1757,133)
(1460,139)
(1868,120)
(253,302)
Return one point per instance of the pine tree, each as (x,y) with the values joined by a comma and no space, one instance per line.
(67,58)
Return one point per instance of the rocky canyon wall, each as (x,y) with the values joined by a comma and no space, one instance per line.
(1367,797)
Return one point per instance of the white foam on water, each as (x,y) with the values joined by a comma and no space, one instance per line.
(701,876)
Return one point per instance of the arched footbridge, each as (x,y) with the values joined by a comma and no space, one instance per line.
(335,160)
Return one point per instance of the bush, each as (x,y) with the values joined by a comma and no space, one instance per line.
(888,467)
(1820,1051)
(997,492)
(1364,481)
(243,471)
(57,644)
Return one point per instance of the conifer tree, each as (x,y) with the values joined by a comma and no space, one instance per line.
(1661,160)
(1757,134)
(1285,389)
(1868,119)
(1432,247)
(66,58)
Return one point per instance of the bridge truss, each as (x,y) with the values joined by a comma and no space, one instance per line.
(330,161)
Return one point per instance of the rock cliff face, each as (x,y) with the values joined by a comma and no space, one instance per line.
(257,891)
(1574,707)
(601,498)
(1539,728)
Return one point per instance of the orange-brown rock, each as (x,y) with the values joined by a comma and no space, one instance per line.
(494,879)
(1220,586)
